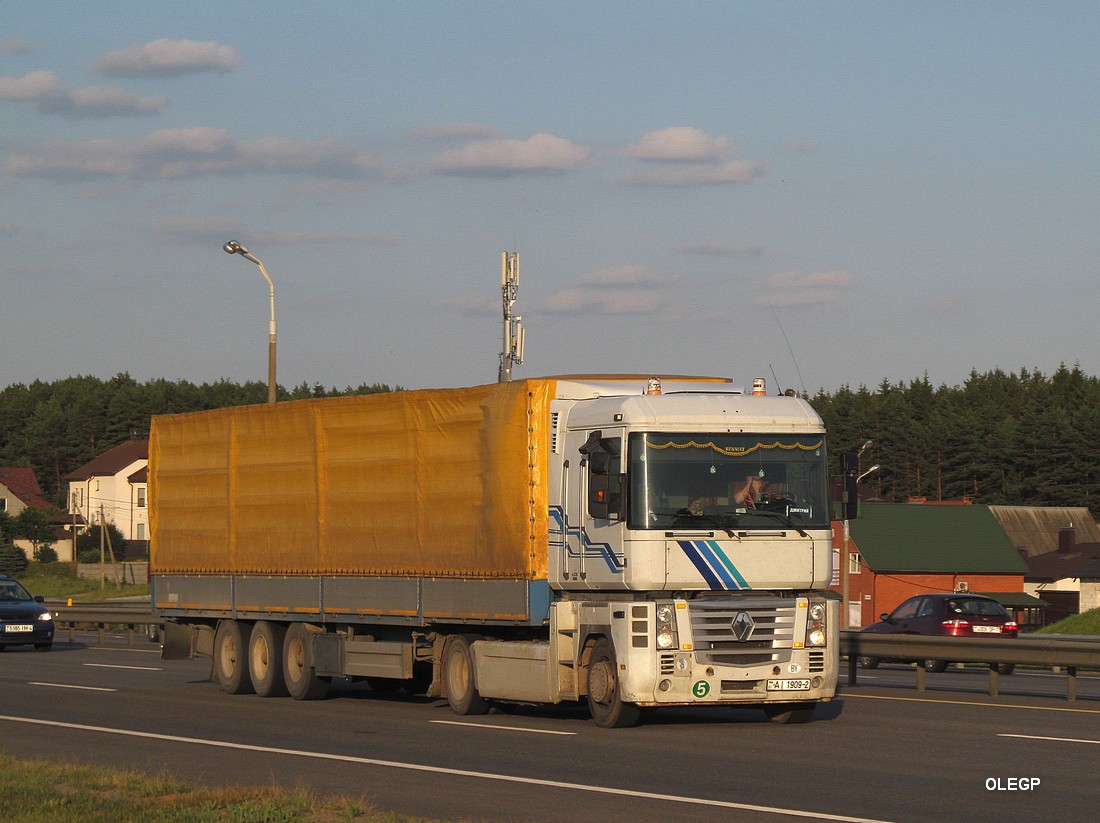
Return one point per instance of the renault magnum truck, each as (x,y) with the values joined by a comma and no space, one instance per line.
(629,542)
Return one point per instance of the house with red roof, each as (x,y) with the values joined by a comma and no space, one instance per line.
(113,487)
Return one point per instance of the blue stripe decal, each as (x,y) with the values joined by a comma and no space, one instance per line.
(706,549)
(563,536)
(741,582)
(700,564)
(714,565)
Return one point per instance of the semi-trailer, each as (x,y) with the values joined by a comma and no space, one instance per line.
(625,541)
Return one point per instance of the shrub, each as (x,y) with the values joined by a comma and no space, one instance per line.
(12,560)
(47,554)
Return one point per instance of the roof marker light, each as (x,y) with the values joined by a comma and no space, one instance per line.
(758,387)
(653,386)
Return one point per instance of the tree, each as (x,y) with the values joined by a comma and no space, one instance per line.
(33,524)
(12,560)
(92,545)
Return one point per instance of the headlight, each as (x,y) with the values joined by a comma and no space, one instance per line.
(816,625)
(45,616)
(666,626)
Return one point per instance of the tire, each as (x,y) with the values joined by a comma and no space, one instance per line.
(865,662)
(459,678)
(1005,668)
(299,676)
(605,701)
(789,712)
(265,659)
(231,656)
(934,665)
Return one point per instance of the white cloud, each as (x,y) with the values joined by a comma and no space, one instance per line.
(706,247)
(15,46)
(538,154)
(167,58)
(679,143)
(455,131)
(102,101)
(32,86)
(190,152)
(818,279)
(614,290)
(804,288)
(216,231)
(621,276)
(698,175)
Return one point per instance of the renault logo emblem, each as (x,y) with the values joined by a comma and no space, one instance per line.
(742,625)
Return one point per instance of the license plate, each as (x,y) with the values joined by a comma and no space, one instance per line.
(987,629)
(12,628)
(788,685)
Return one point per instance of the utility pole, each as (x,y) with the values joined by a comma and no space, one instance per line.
(512,351)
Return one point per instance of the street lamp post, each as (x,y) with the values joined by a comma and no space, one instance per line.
(845,571)
(233,247)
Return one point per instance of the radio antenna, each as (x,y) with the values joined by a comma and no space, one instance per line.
(789,349)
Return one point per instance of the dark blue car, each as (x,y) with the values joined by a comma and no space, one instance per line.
(24,621)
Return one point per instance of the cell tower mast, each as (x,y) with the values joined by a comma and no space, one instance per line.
(512,353)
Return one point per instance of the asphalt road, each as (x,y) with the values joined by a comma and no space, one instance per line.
(881,751)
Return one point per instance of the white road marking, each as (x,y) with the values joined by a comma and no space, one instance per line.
(68,686)
(419,767)
(505,728)
(1052,739)
(129,668)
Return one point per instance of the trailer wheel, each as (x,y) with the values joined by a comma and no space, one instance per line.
(299,675)
(605,702)
(458,677)
(265,659)
(231,656)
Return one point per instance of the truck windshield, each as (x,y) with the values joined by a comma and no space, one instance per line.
(727,481)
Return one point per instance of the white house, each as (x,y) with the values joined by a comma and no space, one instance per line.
(114,486)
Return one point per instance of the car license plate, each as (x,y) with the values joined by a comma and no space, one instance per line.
(12,628)
(987,629)
(788,685)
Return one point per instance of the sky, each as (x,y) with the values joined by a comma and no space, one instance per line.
(822,194)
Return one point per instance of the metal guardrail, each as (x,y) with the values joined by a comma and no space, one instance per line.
(137,618)
(1054,651)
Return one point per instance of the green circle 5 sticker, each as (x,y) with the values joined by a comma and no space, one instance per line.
(701,689)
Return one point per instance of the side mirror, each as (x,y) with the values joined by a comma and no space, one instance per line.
(605,496)
(599,462)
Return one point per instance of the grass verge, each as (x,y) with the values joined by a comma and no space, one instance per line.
(1084,623)
(57,580)
(37,791)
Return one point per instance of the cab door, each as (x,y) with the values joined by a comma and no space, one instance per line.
(594,544)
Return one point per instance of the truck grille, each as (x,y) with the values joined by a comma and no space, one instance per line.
(740,633)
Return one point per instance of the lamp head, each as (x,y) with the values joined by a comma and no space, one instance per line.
(233,247)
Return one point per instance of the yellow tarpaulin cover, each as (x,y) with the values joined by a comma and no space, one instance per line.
(444,483)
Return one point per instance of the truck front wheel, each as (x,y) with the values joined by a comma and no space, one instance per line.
(604,700)
(231,656)
(298,673)
(265,659)
(458,677)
